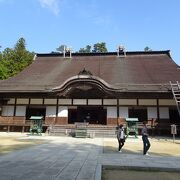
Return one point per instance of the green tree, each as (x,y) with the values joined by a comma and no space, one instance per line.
(61,48)
(97,48)
(87,49)
(8,61)
(100,47)
(147,48)
(23,56)
(15,59)
(0,53)
(3,71)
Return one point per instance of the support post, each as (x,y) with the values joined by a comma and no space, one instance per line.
(117,112)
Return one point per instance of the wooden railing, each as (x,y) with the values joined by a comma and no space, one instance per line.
(12,120)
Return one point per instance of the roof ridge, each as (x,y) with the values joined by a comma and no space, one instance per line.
(105,53)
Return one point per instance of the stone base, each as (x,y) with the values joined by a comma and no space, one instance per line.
(61,120)
(50,120)
(112,121)
(121,121)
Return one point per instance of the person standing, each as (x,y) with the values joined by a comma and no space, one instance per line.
(146,143)
(120,137)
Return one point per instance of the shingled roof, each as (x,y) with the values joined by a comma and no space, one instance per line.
(137,71)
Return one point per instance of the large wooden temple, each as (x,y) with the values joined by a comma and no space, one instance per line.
(98,88)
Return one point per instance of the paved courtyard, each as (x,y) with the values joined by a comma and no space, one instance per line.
(66,158)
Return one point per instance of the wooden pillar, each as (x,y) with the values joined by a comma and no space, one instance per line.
(22,129)
(102,103)
(14,113)
(117,111)
(137,102)
(8,128)
(158,116)
(57,109)
(43,101)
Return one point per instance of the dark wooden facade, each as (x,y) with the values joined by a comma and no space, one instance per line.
(104,86)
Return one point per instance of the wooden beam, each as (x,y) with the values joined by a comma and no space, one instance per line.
(158,117)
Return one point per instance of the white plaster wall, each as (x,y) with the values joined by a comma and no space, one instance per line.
(167,102)
(50,101)
(111,112)
(94,102)
(62,111)
(65,101)
(127,102)
(8,111)
(147,102)
(20,110)
(164,112)
(110,102)
(123,112)
(50,111)
(79,101)
(11,101)
(22,101)
(36,101)
(152,112)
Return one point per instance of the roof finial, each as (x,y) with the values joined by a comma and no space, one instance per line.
(68,51)
(121,52)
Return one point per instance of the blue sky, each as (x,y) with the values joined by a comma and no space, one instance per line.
(46,24)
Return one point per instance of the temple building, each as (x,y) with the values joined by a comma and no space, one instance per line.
(98,88)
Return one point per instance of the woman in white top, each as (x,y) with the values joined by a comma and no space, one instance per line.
(120,137)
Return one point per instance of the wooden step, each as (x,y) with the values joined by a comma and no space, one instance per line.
(177,90)
(177,94)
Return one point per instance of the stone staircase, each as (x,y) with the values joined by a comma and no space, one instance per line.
(92,130)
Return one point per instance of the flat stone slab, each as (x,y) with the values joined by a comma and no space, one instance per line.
(68,158)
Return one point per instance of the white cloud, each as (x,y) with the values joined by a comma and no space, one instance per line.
(52,5)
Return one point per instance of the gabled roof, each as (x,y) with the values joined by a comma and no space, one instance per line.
(137,71)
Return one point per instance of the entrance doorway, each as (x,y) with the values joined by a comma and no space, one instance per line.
(174,115)
(35,111)
(91,115)
(140,113)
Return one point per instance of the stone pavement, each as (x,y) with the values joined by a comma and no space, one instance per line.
(66,158)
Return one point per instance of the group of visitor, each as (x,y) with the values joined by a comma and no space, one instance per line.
(121,138)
